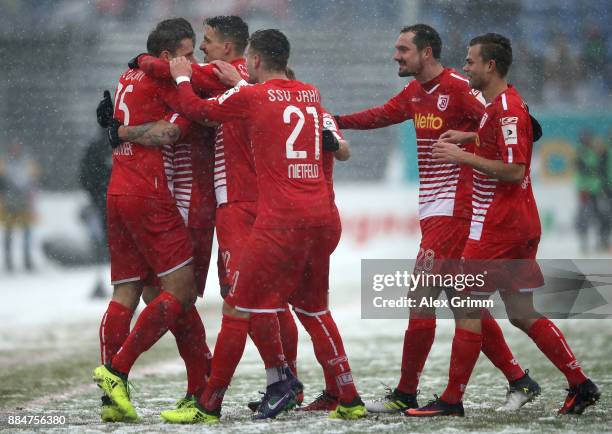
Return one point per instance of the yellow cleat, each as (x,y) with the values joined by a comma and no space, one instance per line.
(186,402)
(116,388)
(189,415)
(351,411)
(111,413)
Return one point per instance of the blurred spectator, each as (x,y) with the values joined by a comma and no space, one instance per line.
(594,60)
(19,175)
(560,72)
(594,53)
(606,176)
(94,175)
(592,206)
(529,75)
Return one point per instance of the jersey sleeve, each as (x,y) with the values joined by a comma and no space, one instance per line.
(394,111)
(169,95)
(180,121)
(472,103)
(329,123)
(154,67)
(203,78)
(205,81)
(513,140)
(233,104)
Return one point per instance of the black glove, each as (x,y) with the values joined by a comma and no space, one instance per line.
(536,128)
(112,133)
(133,63)
(330,143)
(105,110)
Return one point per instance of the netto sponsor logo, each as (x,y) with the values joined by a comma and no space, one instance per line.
(428,121)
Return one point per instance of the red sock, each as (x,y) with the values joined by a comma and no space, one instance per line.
(330,353)
(418,339)
(265,333)
(551,342)
(114,330)
(289,338)
(494,346)
(155,320)
(191,342)
(464,354)
(330,382)
(228,352)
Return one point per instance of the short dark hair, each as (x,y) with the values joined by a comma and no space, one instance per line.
(495,47)
(231,27)
(290,73)
(168,35)
(273,46)
(425,36)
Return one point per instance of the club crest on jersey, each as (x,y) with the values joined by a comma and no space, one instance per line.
(443,102)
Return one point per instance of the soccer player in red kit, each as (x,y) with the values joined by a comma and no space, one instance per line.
(293,235)
(437,100)
(146,232)
(505,226)
(235,184)
(188,164)
(225,38)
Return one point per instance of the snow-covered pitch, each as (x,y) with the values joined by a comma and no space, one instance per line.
(49,346)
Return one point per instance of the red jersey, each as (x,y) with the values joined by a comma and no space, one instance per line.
(284,119)
(502,211)
(234,179)
(189,169)
(328,157)
(203,78)
(443,103)
(139,170)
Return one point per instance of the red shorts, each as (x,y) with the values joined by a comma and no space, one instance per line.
(234,224)
(442,238)
(284,265)
(202,241)
(506,266)
(145,234)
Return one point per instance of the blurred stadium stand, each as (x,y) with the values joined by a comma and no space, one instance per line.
(58,56)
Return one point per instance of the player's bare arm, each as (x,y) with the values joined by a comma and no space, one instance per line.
(461,137)
(227,73)
(344,151)
(447,152)
(151,134)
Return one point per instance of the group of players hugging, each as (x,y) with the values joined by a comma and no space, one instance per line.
(239,145)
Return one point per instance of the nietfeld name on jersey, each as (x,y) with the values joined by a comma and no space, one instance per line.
(303,171)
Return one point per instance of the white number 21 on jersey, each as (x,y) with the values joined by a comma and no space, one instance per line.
(290,110)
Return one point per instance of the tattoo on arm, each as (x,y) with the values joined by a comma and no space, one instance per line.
(151,134)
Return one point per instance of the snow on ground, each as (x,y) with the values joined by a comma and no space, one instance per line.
(48,340)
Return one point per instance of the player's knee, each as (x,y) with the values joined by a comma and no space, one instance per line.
(182,285)
(149,294)
(521,323)
(127,295)
(190,300)
(422,313)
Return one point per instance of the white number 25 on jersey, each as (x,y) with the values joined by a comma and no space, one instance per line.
(122,106)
